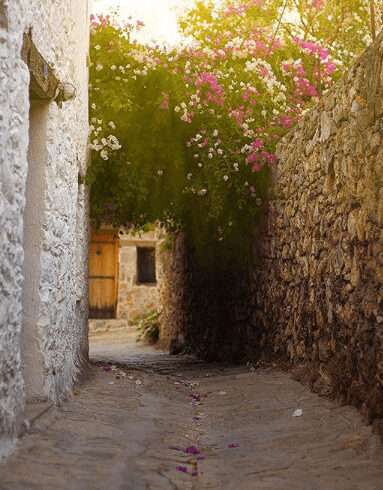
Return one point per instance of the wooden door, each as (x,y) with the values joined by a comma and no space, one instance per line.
(103,274)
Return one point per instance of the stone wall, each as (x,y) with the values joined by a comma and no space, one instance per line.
(318,282)
(172,295)
(60,33)
(207,302)
(137,300)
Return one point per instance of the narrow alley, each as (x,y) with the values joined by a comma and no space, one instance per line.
(146,420)
(191,245)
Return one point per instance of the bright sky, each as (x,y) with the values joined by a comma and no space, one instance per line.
(160,16)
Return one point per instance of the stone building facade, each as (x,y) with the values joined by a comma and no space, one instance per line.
(138,278)
(138,296)
(43,204)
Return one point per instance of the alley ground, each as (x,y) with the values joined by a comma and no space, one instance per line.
(150,421)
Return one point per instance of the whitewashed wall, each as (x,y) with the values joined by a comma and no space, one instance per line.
(60,32)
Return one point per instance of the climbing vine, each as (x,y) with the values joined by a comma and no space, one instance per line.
(187,136)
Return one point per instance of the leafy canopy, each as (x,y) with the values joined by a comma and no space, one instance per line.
(186,136)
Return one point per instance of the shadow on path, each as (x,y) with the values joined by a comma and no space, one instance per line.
(144,420)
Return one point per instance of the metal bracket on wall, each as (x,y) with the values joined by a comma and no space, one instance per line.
(44,84)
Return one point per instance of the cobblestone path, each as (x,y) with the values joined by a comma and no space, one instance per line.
(150,422)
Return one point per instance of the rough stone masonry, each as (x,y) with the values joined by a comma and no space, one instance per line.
(43,209)
(316,285)
(318,282)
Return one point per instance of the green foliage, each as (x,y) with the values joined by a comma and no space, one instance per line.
(149,328)
(187,136)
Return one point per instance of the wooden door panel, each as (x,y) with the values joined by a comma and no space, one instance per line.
(103,260)
(102,298)
(103,275)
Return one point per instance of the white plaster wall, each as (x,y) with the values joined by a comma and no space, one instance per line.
(60,31)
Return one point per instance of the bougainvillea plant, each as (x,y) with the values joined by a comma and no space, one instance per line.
(186,136)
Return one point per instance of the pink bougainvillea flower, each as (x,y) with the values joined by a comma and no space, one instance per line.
(140,25)
(233,445)
(318,4)
(329,67)
(182,469)
(257,143)
(253,157)
(165,102)
(286,121)
(323,53)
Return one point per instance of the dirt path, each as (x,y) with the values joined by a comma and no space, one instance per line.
(170,423)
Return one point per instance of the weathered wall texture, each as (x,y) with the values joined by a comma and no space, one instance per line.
(60,32)
(173,297)
(137,300)
(319,279)
(207,303)
(134,300)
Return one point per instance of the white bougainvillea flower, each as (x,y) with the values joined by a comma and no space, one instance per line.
(104,154)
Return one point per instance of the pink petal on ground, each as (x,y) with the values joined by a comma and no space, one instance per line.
(192,450)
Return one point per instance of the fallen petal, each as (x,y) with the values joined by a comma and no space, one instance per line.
(192,450)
